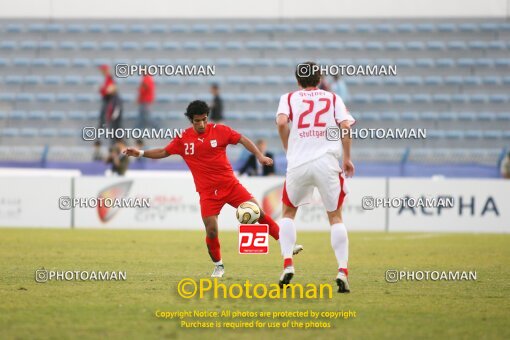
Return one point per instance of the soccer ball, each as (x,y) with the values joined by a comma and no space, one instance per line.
(248,213)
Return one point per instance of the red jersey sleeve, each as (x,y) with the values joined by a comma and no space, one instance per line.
(229,135)
(174,147)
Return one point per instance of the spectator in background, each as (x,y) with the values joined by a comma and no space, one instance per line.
(254,168)
(324,85)
(111,108)
(505,167)
(339,87)
(97,155)
(217,104)
(146,94)
(117,159)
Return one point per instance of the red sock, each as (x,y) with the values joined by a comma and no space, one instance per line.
(274,229)
(287,263)
(344,270)
(213,246)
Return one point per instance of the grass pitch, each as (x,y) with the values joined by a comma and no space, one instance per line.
(155,261)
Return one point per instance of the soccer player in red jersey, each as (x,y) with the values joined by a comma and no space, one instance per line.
(203,148)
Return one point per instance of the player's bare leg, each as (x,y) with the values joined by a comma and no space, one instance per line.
(287,242)
(340,245)
(213,244)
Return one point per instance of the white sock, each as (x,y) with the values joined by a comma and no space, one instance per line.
(340,244)
(287,236)
(219,263)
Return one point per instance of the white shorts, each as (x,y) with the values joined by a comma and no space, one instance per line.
(323,173)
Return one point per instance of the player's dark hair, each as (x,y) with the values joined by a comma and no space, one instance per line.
(307,76)
(196,108)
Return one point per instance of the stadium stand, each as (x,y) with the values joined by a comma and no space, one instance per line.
(453,79)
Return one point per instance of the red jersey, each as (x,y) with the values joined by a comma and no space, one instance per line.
(206,156)
(146,90)
(108,80)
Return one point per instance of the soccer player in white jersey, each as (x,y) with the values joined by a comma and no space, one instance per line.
(308,122)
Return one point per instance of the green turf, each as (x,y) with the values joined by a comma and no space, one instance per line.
(156,260)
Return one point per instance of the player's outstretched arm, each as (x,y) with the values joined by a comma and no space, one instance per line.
(283,129)
(347,165)
(153,153)
(248,144)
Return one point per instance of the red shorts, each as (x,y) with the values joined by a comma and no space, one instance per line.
(212,202)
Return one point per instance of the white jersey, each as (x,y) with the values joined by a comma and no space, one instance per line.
(311,113)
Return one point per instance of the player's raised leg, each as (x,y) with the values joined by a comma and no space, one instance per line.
(213,244)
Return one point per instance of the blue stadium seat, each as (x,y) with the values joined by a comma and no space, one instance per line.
(478,98)
(333,45)
(200,28)
(28,132)
(468,27)
(472,80)
(456,45)
(446,116)
(21,62)
(491,80)
(212,45)
(7,96)
(54,28)
(191,45)
(502,116)
(453,80)
(425,27)
(25,97)
(130,45)
(466,116)
(499,98)
(158,28)
(454,134)
(45,97)
(237,45)
(179,28)
(91,80)
(13,80)
(14,28)
(492,134)
(171,45)
(85,97)
(395,45)
(343,28)
(263,62)
(32,80)
(413,81)
(302,28)
(63,97)
(18,115)
(312,45)
(48,132)
(137,28)
(465,62)
(384,28)
(445,62)
(109,45)
(441,98)
(77,115)
(56,115)
(60,62)
(421,98)
(374,45)
(52,80)
(72,80)
(68,132)
(381,98)
(446,27)
(435,134)
(364,28)
(460,98)
(424,62)
(415,45)
(68,45)
(361,98)
(369,116)
(292,45)
(9,132)
(221,28)
(28,45)
(88,45)
(404,63)
(96,28)
(117,28)
(486,116)
(405,28)
(75,28)
(473,134)
(323,28)
(389,116)
(81,62)
(47,45)
(429,116)
(411,116)
(496,45)
(502,62)
(242,28)
(151,46)
(489,27)
(401,98)
(36,28)
(4,62)
(477,45)
(224,62)
(263,28)
(353,45)
(435,45)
